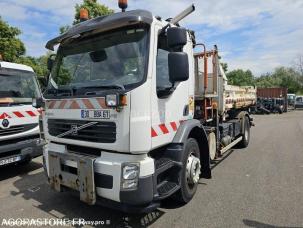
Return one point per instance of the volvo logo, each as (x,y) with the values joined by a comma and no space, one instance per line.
(74,130)
(5,123)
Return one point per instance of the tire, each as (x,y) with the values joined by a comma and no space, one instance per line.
(246,135)
(188,190)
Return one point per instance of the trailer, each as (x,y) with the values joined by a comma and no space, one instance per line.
(19,130)
(271,100)
(133,116)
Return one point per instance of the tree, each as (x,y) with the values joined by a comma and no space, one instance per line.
(281,77)
(224,66)
(298,64)
(38,64)
(240,77)
(94,8)
(11,47)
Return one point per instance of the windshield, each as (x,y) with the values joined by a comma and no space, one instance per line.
(115,60)
(17,86)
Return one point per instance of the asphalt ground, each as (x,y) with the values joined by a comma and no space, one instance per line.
(260,186)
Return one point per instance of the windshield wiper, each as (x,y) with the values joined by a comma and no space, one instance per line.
(61,92)
(116,86)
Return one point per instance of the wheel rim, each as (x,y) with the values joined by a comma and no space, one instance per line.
(193,168)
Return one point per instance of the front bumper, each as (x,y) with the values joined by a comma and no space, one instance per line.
(26,149)
(98,179)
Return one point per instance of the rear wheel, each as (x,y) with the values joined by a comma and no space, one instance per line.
(190,173)
(246,134)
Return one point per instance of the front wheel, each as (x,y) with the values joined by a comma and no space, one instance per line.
(190,173)
(246,134)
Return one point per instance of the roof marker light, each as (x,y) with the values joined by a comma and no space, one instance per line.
(123,5)
(83,14)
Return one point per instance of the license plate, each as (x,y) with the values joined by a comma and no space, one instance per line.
(10,160)
(95,114)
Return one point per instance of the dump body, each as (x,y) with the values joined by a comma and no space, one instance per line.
(239,96)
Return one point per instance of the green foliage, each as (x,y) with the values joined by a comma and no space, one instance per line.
(94,8)
(281,77)
(224,66)
(38,64)
(64,29)
(11,47)
(240,77)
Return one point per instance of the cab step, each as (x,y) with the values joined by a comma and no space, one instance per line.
(164,164)
(167,188)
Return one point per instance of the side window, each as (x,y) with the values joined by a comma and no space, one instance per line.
(162,73)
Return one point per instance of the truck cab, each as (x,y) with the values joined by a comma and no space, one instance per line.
(120,112)
(19,130)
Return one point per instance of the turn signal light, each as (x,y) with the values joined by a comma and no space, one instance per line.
(123,100)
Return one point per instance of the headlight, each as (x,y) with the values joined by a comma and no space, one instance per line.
(112,100)
(130,176)
(130,171)
(116,100)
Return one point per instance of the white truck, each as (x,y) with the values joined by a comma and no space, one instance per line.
(133,116)
(19,128)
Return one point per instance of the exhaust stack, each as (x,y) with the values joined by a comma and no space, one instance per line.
(183,14)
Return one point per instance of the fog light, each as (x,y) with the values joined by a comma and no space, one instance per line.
(130,176)
(130,184)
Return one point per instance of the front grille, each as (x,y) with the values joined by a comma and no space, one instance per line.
(102,132)
(17,129)
(18,140)
(10,153)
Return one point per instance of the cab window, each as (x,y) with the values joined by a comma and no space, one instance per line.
(162,74)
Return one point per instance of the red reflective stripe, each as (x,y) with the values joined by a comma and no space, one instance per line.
(62,104)
(4,115)
(174,126)
(51,104)
(153,133)
(30,113)
(18,114)
(102,102)
(163,129)
(74,105)
(88,104)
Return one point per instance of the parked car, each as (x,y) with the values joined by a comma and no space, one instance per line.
(299,102)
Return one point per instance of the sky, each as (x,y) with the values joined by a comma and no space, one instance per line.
(259,35)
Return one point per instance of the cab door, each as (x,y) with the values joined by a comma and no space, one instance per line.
(170,104)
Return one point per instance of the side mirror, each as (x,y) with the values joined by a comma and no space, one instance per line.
(38,102)
(176,37)
(50,61)
(178,67)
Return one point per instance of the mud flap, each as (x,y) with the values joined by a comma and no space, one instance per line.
(83,181)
